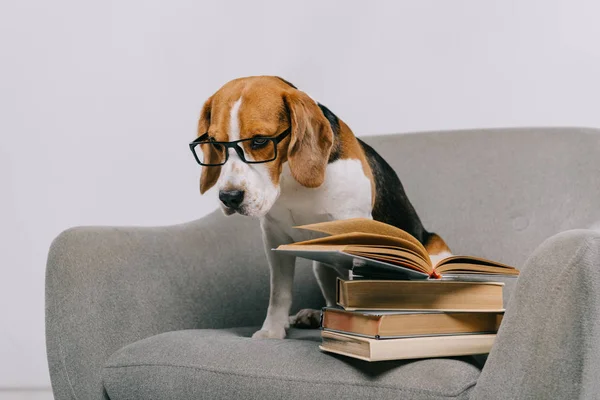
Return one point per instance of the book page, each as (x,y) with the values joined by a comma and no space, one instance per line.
(475,268)
(364,239)
(363,225)
(404,254)
(408,251)
(404,262)
(471,260)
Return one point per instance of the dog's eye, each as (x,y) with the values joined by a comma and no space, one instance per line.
(259,142)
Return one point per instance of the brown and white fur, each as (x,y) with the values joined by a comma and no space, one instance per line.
(322,172)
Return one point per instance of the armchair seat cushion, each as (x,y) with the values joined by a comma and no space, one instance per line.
(228,364)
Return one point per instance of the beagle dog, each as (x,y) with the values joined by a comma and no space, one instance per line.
(276,154)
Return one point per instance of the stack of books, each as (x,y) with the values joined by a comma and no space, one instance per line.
(398,305)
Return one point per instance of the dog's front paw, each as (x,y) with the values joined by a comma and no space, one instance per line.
(307,318)
(273,333)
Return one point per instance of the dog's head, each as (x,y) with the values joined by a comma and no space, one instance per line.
(257,109)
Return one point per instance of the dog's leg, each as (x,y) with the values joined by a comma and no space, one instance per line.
(282,277)
(326,277)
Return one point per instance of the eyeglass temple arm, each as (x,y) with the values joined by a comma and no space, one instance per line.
(200,138)
(282,136)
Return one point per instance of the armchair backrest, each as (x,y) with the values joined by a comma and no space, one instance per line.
(499,193)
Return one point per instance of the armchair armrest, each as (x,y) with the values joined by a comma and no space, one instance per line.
(107,287)
(548,346)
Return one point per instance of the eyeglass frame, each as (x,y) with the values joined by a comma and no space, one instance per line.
(234,145)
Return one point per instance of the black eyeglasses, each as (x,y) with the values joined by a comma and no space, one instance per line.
(259,149)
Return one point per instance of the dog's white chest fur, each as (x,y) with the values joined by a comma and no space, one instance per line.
(345,193)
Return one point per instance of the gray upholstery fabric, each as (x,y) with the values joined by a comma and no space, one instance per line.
(495,193)
(107,287)
(499,193)
(548,346)
(228,364)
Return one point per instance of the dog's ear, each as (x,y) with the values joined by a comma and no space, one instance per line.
(311,139)
(210,175)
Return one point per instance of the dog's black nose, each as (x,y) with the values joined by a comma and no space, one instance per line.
(232,198)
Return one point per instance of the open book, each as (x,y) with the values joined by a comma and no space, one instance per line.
(374,249)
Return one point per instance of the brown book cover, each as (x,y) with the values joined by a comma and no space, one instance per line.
(420,295)
(396,324)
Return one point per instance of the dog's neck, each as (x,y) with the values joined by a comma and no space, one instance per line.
(334,122)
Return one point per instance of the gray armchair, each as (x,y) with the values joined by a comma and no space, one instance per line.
(166,313)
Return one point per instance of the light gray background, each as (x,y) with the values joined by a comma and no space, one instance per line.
(98,100)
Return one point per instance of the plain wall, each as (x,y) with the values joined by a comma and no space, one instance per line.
(98,100)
